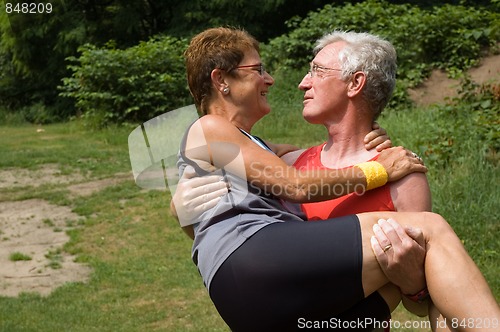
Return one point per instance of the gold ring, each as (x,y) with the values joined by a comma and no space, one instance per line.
(387,247)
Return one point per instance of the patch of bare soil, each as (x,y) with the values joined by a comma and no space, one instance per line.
(439,86)
(45,174)
(37,229)
(89,188)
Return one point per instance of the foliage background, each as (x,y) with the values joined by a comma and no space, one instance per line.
(135,84)
(75,47)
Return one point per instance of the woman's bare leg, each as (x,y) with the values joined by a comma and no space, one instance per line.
(392,296)
(457,287)
(438,323)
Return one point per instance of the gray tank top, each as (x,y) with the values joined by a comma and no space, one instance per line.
(242,212)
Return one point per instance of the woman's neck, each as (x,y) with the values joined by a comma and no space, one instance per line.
(232,116)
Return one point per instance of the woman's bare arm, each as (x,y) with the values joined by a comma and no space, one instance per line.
(213,142)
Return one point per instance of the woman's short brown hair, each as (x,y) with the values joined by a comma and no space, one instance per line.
(222,48)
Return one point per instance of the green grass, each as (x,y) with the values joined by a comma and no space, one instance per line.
(143,278)
(96,153)
(464,191)
(19,256)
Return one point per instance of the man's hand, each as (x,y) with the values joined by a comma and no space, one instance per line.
(195,195)
(377,138)
(401,254)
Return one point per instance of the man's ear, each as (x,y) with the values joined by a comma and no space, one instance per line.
(218,79)
(356,84)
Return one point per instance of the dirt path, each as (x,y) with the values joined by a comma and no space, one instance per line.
(439,85)
(36,230)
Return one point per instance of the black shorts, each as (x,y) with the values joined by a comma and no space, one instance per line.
(294,275)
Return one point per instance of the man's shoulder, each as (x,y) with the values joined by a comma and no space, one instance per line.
(291,157)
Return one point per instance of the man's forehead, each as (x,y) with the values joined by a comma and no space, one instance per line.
(330,52)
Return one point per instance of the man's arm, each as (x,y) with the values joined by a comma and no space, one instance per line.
(412,193)
(404,262)
(187,229)
(195,195)
(400,252)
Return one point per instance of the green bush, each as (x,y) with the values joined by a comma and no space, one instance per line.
(470,118)
(115,86)
(447,37)
(135,84)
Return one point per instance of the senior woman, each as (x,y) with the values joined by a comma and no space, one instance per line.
(266,269)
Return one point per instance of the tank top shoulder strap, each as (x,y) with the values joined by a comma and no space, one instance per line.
(257,140)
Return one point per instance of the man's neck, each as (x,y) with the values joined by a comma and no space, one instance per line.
(345,146)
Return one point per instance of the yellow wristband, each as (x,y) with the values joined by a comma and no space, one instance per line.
(375,174)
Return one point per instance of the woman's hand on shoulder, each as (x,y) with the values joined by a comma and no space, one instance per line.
(377,138)
(399,162)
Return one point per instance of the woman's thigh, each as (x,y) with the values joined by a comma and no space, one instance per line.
(372,276)
(291,271)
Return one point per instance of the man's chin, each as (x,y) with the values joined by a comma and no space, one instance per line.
(309,117)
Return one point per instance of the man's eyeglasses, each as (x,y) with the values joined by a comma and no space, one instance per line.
(261,69)
(320,71)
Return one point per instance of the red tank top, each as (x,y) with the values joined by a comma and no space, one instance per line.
(378,199)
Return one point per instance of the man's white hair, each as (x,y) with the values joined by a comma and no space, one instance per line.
(371,54)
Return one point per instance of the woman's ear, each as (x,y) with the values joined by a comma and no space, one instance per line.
(356,83)
(218,78)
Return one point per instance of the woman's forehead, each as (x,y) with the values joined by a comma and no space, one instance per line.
(251,55)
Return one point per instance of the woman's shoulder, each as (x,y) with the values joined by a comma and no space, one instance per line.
(215,127)
(211,120)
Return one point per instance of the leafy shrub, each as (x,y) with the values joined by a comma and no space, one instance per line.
(420,36)
(37,113)
(7,117)
(446,36)
(473,116)
(135,84)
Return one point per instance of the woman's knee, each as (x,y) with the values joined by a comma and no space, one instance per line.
(435,226)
